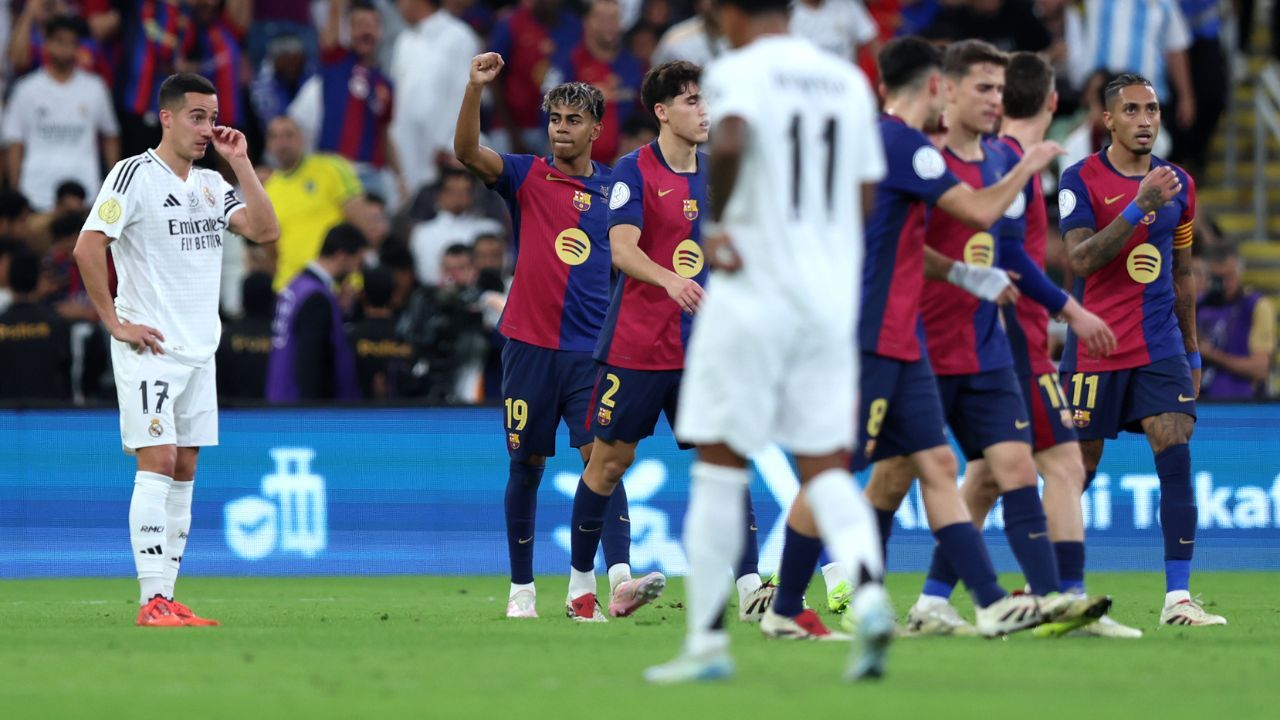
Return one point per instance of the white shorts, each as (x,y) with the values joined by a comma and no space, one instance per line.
(162,401)
(761,374)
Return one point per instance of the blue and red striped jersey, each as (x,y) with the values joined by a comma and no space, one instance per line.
(646,329)
(964,334)
(1133,292)
(893,269)
(357,108)
(216,49)
(152,34)
(560,292)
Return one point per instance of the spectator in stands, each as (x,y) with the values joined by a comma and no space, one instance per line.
(453,224)
(273,19)
(840,27)
(246,342)
(28,37)
(429,72)
(35,349)
(478,15)
(1010,25)
(15,215)
(371,218)
(445,326)
(529,38)
(382,358)
(398,260)
(280,78)
(600,60)
(59,123)
(151,33)
(69,197)
(67,294)
(351,103)
(493,278)
(1236,329)
(637,131)
(212,48)
(8,248)
(489,255)
(311,357)
(697,40)
(1209,81)
(312,192)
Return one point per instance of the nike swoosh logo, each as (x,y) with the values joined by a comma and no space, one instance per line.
(582,529)
(1184,398)
(1112,200)
(664,193)
(624,518)
(1037,536)
(754,528)
(525,541)
(554,178)
(1186,542)
(1022,424)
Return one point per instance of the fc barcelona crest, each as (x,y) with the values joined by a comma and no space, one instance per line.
(604,417)
(1083,418)
(690,210)
(513,439)
(582,200)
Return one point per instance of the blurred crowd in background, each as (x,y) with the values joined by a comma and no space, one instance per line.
(350,105)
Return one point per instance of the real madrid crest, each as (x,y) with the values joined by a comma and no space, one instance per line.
(582,200)
(155,430)
(208,196)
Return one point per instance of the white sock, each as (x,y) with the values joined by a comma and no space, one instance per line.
(147,531)
(618,574)
(747,584)
(1176,596)
(713,542)
(581,583)
(517,588)
(833,573)
(846,523)
(178,511)
(924,602)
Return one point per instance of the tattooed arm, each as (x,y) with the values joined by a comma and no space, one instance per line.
(1184,293)
(1088,251)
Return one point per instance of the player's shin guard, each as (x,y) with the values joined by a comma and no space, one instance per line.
(750,563)
(847,524)
(1178,515)
(178,515)
(585,523)
(799,558)
(713,542)
(148,529)
(960,546)
(520,506)
(615,536)
(1028,533)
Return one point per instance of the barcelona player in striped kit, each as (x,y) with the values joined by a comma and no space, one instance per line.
(556,306)
(659,192)
(1127,224)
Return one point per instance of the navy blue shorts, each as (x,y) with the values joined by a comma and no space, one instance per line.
(984,409)
(539,388)
(899,410)
(1051,421)
(1107,402)
(626,403)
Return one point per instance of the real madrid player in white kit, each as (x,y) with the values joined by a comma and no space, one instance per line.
(163,220)
(795,154)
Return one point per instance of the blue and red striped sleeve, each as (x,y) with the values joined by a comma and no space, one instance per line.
(626,199)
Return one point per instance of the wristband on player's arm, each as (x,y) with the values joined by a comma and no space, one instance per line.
(1195,360)
(1133,214)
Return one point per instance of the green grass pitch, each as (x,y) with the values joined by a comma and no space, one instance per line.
(439,647)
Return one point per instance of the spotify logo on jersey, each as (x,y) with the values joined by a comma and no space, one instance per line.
(687,259)
(980,250)
(573,246)
(1144,263)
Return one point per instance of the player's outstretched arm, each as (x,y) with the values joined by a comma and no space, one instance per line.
(980,209)
(257,221)
(624,242)
(1184,305)
(91,258)
(1088,251)
(985,283)
(483,162)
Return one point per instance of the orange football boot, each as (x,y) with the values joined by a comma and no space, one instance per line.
(159,613)
(189,617)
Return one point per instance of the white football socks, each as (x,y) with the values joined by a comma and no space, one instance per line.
(846,523)
(833,574)
(713,541)
(747,584)
(178,511)
(618,574)
(581,583)
(148,521)
(515,588)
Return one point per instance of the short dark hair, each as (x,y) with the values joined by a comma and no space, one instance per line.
(665,82)
(66,23)
(71,188)
(343,238)
(174,89)
(582,96)
(375,198)
(459,249)
(1028,81)
(453,173)
(1120,82)
(24,272)
(963,55)
(378,287)
(13,205)
(67,224)
(759,7)
(395,256)
(907,60)
(362,5)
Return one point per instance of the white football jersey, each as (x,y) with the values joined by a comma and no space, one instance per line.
(795,215)
(168,249)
